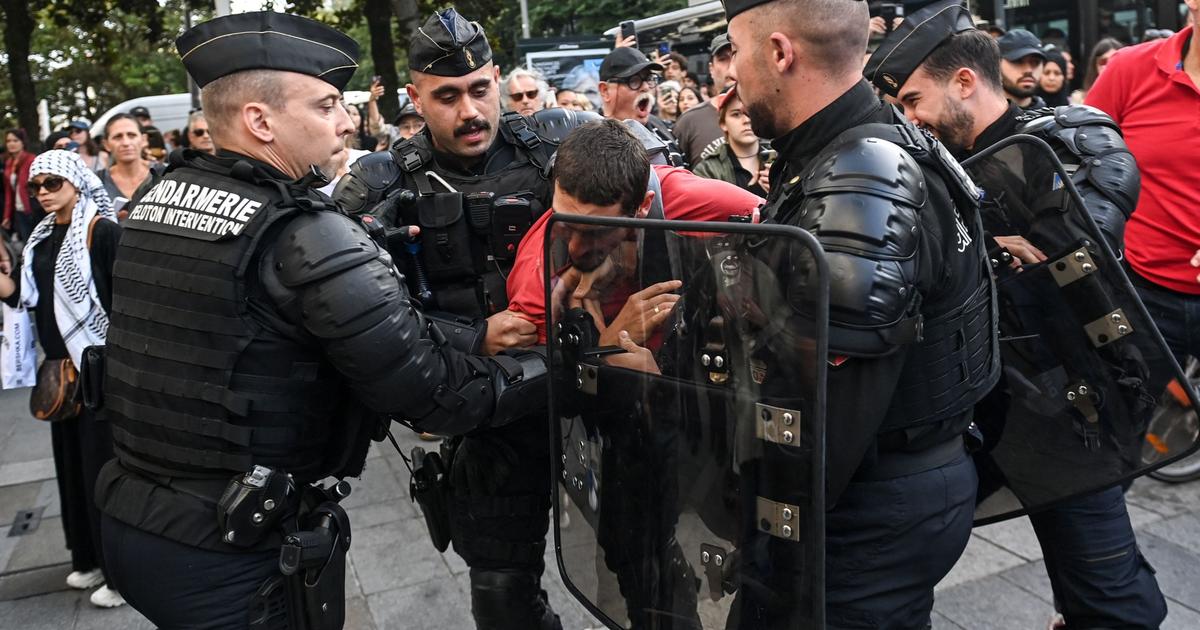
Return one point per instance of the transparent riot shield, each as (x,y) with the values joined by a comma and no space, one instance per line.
(690,468)
(1085,367)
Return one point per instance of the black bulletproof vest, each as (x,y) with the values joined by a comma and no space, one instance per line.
(469,236)
(195,384)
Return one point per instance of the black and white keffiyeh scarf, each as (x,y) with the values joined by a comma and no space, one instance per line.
(77,310)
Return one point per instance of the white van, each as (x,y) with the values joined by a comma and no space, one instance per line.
(169,111)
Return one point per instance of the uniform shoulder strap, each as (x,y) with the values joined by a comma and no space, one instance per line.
(412,153)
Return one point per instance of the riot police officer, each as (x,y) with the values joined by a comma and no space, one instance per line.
(256,333)
(946,75)
(478,179)
(911,328)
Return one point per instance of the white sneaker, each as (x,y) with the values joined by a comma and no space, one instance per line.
(105,597)
(84,580)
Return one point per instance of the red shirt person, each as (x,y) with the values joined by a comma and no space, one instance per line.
(685,197)
(1151,91)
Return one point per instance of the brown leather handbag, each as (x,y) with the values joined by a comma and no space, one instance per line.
(57,394)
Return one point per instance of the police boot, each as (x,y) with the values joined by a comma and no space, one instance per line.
(510,600)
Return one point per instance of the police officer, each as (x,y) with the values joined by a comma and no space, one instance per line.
(911,328)
(946,75)
(480,180)
(256,332)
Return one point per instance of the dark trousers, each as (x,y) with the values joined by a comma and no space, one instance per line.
(81,447)
(1177,316)
(1099,577)
(177,586)
(889,542)
(499,517)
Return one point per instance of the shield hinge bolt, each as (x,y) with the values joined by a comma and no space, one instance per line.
(1109,328)
(778,519)
(1072,267)
(776,424)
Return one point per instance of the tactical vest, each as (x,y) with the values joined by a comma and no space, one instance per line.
(954,357)
(196,385)
(471,225)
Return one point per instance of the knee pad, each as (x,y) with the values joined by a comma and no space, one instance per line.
(510,600)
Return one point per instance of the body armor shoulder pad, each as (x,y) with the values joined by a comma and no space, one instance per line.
(862,201)
(555,124)
(316,245)
(1081,115)
(368,181)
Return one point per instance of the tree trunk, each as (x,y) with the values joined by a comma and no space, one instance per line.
(18,30)
(383,55)
(408,15)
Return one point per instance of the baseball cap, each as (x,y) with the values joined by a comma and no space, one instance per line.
(625,62)
(718,42)
(140,112)
(78,124)
(1019,43)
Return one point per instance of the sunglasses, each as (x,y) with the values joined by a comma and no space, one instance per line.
(199,133)
(51,184)
(523,96)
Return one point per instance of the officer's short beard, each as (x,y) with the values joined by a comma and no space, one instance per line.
(957,126)
(763,120)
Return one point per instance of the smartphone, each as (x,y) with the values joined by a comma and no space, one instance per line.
(889,11)
(377,79)
(629,29)
(664,49)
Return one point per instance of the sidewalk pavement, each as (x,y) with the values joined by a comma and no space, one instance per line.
(396,580)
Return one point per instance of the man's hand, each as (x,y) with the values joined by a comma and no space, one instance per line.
(628,42)
(635,357)
(1022,250)
(1196,262)
(507,330)
(376,91)
(642,314)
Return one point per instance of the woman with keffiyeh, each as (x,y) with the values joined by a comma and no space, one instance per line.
(66,277)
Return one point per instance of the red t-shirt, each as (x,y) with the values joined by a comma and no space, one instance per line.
(1145,89)
(685,197)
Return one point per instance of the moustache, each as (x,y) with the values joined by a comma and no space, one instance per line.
(472,126)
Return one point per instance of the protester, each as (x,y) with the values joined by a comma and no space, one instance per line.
(128,169)
(18,211)
(524,92)
(142,116)
(566,99)
(71,249)
(1153,91)
(1021,59)
(197,134)
(739,160)
(80,133)
(1052,87)
(360,139)
(689,97)
(674,66)
(408,122)
(583,186)
(154,150)
(1102,52)
(697,126)
(668,101)
(627,83)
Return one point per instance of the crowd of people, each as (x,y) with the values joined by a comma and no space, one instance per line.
(738,150)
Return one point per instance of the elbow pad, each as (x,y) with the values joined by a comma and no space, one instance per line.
(521,383)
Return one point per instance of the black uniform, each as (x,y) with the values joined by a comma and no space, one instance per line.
(256,334)
(1121,590)
(1038,446)
(913,348)
(472,219)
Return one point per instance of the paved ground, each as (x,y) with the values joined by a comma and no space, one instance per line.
(397,580)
